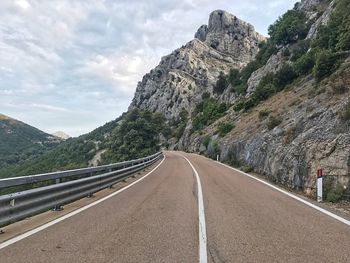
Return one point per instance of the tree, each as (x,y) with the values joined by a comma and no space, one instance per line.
(221,84)
(284,76)
(326,63)
(289,28)
(305,63)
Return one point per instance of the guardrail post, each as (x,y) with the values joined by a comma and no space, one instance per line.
(58,207)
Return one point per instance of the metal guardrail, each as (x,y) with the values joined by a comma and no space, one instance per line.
(19,205)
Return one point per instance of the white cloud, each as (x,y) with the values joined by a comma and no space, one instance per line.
(23,4)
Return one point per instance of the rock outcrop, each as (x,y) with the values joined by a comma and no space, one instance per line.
(183,76)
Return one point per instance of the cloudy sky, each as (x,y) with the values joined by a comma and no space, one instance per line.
(73,65)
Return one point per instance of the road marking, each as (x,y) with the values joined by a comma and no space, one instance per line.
(54,222)
(324,211)
(201,216)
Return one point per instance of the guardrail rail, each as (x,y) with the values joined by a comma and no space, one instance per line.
(19,205)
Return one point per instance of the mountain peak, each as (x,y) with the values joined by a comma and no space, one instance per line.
(61,134)
(4,117)
(225,31)
(182,77)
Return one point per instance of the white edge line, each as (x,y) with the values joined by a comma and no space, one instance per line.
(57,220)
(201,216)
(343,220)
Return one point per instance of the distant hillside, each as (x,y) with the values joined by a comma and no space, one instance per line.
(134,134)
(20,141)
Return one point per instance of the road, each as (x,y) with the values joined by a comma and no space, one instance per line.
(157,220)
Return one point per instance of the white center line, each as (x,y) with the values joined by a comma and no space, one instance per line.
(201,216)
(54,222)
(324,211)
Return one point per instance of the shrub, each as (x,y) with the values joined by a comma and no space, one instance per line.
(180,131)
(231,157)
(273,122)
(246,168)
(263,93)
(266,50)
(207,112)
(214,150)
(286,52)
(305,64)
(335,194)
(240,89)
(221,84)
(183,115)
(224,128)
(326,63)
(284,76)
(234,78)
(345,113)
(206,141)
(249,69)
(239,106)
(300,49)
(289,134)
(263,114)
(205,95)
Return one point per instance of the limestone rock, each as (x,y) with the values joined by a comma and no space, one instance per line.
(182,77)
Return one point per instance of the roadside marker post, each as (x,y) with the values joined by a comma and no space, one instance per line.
(319,185)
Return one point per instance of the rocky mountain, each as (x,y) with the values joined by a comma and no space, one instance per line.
(182,77)
(20,141)
(278,106)
(61,134)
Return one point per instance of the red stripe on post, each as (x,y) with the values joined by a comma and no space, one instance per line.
(319,173)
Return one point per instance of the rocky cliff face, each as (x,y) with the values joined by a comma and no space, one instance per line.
(183,76)
(308,134)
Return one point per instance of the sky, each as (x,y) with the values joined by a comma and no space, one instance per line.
(73,65)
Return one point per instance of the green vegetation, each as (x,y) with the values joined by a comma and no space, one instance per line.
(321,57)
(289,28)
(207,112)
(273,122)
(332,191)
(133,135)
(305,63)
(214,150)
(326,63)
(221,84)
(284,76)
(263,114)
(335,35)
(205,95)
(235,162)
(73,153)
(344,114)
(19,141)
(335,194)
(224,128)
(206,141)
(300,49)
(136,136)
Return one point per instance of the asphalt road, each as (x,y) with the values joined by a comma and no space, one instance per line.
(156,220)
